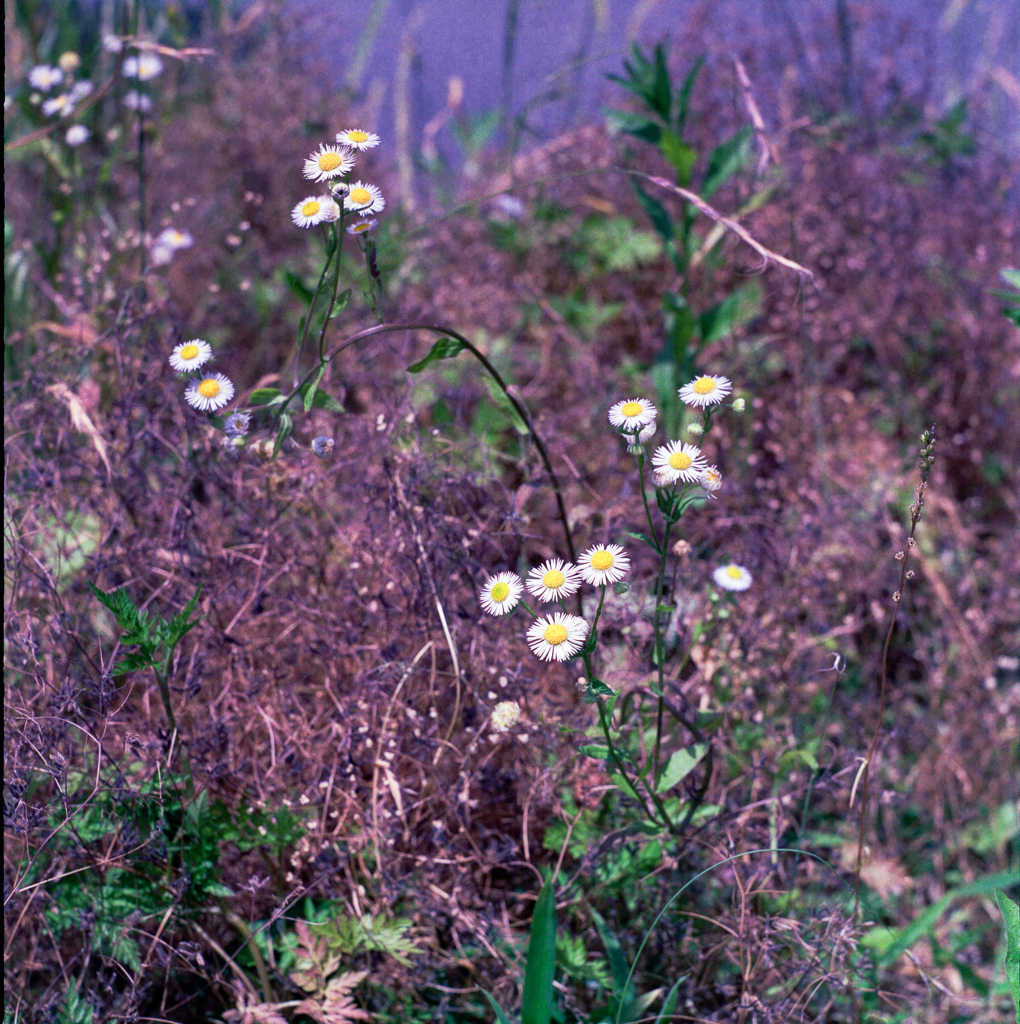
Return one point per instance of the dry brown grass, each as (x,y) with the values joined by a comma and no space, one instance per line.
(343,663)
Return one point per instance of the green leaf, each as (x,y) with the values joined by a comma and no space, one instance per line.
(684,97)
(298,287)
(341,303)
(634,124)
(1011,918)
(500,1015)
(655,212)
(323,400)
(680,155)
(538,975)
(593,750)
(445,348)
(903,939)
(726,159)
(308,390)
(266,396)
(680,765)
(601,689)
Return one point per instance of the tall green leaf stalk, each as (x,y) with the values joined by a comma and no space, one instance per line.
(662,120)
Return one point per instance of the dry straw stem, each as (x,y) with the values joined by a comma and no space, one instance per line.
(80,420)
(767,255)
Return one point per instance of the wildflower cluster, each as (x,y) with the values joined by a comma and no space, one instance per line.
(57,93)
(332,165)
(560,635)
(206,392)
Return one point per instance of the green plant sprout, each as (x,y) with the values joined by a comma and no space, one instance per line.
(156,639)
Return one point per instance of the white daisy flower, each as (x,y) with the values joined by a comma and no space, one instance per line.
(42,76)
(328,162)
(364,199)
(501,593)
(679,461)
(732,577)
(210,393)
(554,579)
(76,135)
(604,563)
(135,100)
(711,479)
(705,391)
(645,434)
(557,637)
(632,415)
(58,105)
(112,43)
(190,355)
(355,138)
(505,715)
(144,67)
(313,210)
(362,227)
(331,210)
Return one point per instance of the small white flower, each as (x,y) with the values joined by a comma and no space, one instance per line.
(739,405)
(174,239)
(505,715)
(554,579)
(112,43)
(705,391)
(679,461)
(362,227)
(501,593)
(355,138)
(557,637)
(630,416)
(76,135)
(328,162)
(732,577)
(190,355)
(711,479)
(135,100)
(42,76)
(210,393)
(364,199)
(313,210)
(58,105)
(69,61)
(144,67)
(603,564)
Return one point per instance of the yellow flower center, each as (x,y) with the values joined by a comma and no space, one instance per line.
(602,560)
(631,409)
(329,161)
(189,352)
(704,386)
(500,592)
(311,208)
(553,579)
(734,572)
(555,634)
(361,196)
(209,388)
(357,136)
(680,461)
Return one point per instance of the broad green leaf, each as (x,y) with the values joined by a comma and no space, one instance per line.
(592,750)
(298,287)
(680,155)
(538,975)
(680,765)
(1011,918)
(444,348)
(266,396)
(341,303)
